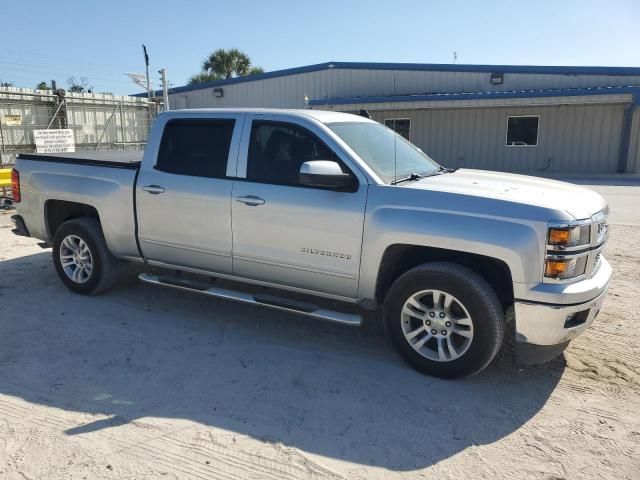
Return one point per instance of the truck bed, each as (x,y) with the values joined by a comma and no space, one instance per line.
(105,181)
(129,159)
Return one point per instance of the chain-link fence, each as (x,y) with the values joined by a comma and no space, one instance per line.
(98,121)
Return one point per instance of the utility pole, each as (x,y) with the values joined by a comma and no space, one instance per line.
(165,88)
(146,62)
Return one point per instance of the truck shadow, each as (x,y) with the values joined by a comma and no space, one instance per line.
(141,351)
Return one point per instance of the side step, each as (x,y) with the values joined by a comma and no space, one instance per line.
(264,300)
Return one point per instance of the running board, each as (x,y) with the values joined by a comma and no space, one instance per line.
(264,300)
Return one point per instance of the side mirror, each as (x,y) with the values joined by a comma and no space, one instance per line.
(323,173)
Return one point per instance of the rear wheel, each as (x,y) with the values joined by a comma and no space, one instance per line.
(81,257)
(444,319)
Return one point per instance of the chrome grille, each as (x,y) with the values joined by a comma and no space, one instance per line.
(601,231)
(596,262)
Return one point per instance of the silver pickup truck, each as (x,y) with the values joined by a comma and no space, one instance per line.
(337,215)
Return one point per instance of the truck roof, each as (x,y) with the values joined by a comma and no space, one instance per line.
(323,116)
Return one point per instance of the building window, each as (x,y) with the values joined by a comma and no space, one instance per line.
(399,125)
(522,131)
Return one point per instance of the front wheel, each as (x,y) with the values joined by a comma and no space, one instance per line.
(444,319)
(81,257)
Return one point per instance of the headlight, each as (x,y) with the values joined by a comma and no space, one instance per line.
(563,268)
(573,248)
(568,237)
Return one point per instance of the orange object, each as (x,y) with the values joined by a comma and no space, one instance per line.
(15,186)
(559,236)
(555,268)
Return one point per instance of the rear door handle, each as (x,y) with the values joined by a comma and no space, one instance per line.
(251,200)
(154,189)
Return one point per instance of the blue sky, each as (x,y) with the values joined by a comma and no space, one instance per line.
(102,40)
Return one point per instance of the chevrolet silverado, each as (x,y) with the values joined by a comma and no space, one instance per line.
(329,208)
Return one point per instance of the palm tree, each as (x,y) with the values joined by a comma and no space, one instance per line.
(203,77)
(227,63)
(223,64)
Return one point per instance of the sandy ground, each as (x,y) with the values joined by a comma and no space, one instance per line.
(147,383)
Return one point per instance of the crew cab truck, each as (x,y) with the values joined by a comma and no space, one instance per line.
(332,206)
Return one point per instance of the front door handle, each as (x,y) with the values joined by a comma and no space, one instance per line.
(153,189)
(251,200)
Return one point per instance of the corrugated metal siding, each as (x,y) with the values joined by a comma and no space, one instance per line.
(583,137)
(571,138)
(283,92)
(633,165)
(289,91)
(391,82)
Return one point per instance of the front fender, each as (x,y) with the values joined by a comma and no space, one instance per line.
(516,243)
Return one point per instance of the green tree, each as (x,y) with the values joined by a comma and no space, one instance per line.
(255,70)
(227,63)
(6,84)
(43,86)
(204,77)
(223,64)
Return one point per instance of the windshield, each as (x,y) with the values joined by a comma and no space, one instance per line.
(390,155)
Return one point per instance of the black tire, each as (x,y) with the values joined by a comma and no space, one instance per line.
(106,268)
(480,301)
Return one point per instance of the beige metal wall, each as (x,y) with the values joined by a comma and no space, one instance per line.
(633,162)
(571,138)
(358,82)
(289,91)
(280,92)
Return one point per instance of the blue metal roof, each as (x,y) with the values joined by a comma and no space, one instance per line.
(433,67)
(431,97)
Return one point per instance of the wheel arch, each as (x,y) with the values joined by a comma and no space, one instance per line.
(399,258)
(56,212)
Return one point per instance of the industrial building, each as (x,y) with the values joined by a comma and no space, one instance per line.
(497,117)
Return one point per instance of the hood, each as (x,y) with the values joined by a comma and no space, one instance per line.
(579,202)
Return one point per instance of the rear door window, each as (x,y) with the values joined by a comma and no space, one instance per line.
(195,147)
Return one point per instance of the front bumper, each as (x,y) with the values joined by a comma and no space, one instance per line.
(551,326)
